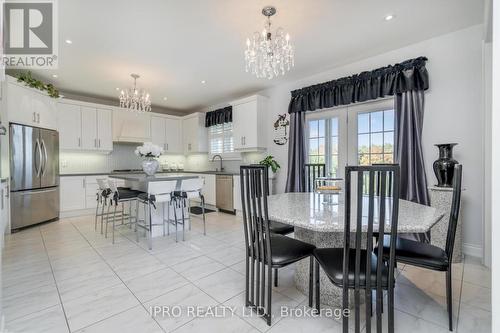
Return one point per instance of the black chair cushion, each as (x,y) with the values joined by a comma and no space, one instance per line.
(332,259)
(127,194)
(180,194)
(418,254)
(280,228)
(286,250)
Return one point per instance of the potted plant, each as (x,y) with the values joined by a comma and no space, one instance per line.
(270,162)
(149,152)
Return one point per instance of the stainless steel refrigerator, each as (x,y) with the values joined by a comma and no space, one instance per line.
(34,175)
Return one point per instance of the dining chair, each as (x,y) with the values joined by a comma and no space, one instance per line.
(160,192)
(311,172)
(431,257)
(265,251)
(356,266)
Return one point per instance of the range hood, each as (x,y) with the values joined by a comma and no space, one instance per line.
(131,127)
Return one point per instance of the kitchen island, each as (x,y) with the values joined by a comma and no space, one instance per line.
(140,182)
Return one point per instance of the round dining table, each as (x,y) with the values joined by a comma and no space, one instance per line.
(319,220)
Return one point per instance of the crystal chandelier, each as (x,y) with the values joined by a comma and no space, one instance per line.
(135,99)
(268,54)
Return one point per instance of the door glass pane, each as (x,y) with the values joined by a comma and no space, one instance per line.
(313,159)
(364,123)
(321,146)
(389,120)
(313,147)
(388,142)
(335,126)
(376,158)
(377,142)
(388,158)
(334,166)
(321,128)
(364,159)
(313,128)
(377,121)
(334,144)
(364,144)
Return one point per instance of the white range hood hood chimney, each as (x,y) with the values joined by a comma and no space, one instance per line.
(131,127)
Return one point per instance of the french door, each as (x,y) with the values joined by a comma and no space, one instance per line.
(361,134)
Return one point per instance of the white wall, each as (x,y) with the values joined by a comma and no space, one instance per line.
(453,113)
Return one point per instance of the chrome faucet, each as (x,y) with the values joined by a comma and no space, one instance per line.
(220,157)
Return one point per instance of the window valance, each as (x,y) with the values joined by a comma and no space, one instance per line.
(386,81)
(219,116)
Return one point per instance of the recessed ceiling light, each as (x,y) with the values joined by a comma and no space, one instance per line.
(164,98)
(389,17)
(117,89)
(69,41)
(203,82)
(54,76)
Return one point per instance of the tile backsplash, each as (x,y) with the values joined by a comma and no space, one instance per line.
(123,157)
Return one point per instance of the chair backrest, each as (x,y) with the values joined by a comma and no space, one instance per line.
(254,185)
(371,212)
(311,172)
(455,210)
(192,185)
(102,183)
(162,190)
(112,185)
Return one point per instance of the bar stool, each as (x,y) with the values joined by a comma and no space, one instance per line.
(102,195)
(120,196)
(191,189)
(158,192)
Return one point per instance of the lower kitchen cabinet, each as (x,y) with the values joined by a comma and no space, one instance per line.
(72,193)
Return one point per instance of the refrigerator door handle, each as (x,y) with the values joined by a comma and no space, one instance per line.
(43,166)
(38,168)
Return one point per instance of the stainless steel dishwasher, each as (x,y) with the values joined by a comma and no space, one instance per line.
(224,193)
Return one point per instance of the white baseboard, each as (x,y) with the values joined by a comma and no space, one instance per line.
(472,250)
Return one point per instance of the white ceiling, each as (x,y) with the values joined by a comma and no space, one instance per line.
(175,44)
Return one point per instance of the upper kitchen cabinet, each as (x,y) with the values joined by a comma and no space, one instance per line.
(131,126)
(166,132)
(249,127)
(194,134)
(84,127)
(28,106)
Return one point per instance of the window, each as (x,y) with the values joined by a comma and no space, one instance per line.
(361,134)
(375,137)
(221,139)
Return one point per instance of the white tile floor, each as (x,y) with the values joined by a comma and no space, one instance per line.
(64,277)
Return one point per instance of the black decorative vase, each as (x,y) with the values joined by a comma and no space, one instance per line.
(444,166)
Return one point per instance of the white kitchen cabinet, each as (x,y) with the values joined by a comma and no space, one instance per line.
(173,136)
(166,132)
(209,189)
(105,129)
(131,126)
(70,126)
(72,193)
(89,128)
(4,210)
(31,107)
(83,127)
(249,124)
(158,131)
(194,134)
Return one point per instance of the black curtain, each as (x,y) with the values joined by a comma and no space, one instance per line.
(409,112)
(386,81)
(219,116)
(297,155)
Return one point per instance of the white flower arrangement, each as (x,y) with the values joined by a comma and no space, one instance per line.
(148,149)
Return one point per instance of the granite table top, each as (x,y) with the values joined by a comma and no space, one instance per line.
(307,211)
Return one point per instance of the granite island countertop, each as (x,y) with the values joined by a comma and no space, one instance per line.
(307,211)
(142,178)
(208,172)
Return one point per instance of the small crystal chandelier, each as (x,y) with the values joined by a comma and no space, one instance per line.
(268,54)
(135,99)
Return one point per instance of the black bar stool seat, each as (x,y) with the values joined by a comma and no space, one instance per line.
(331,259)
(418,254)
(124,194)
(280,228)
